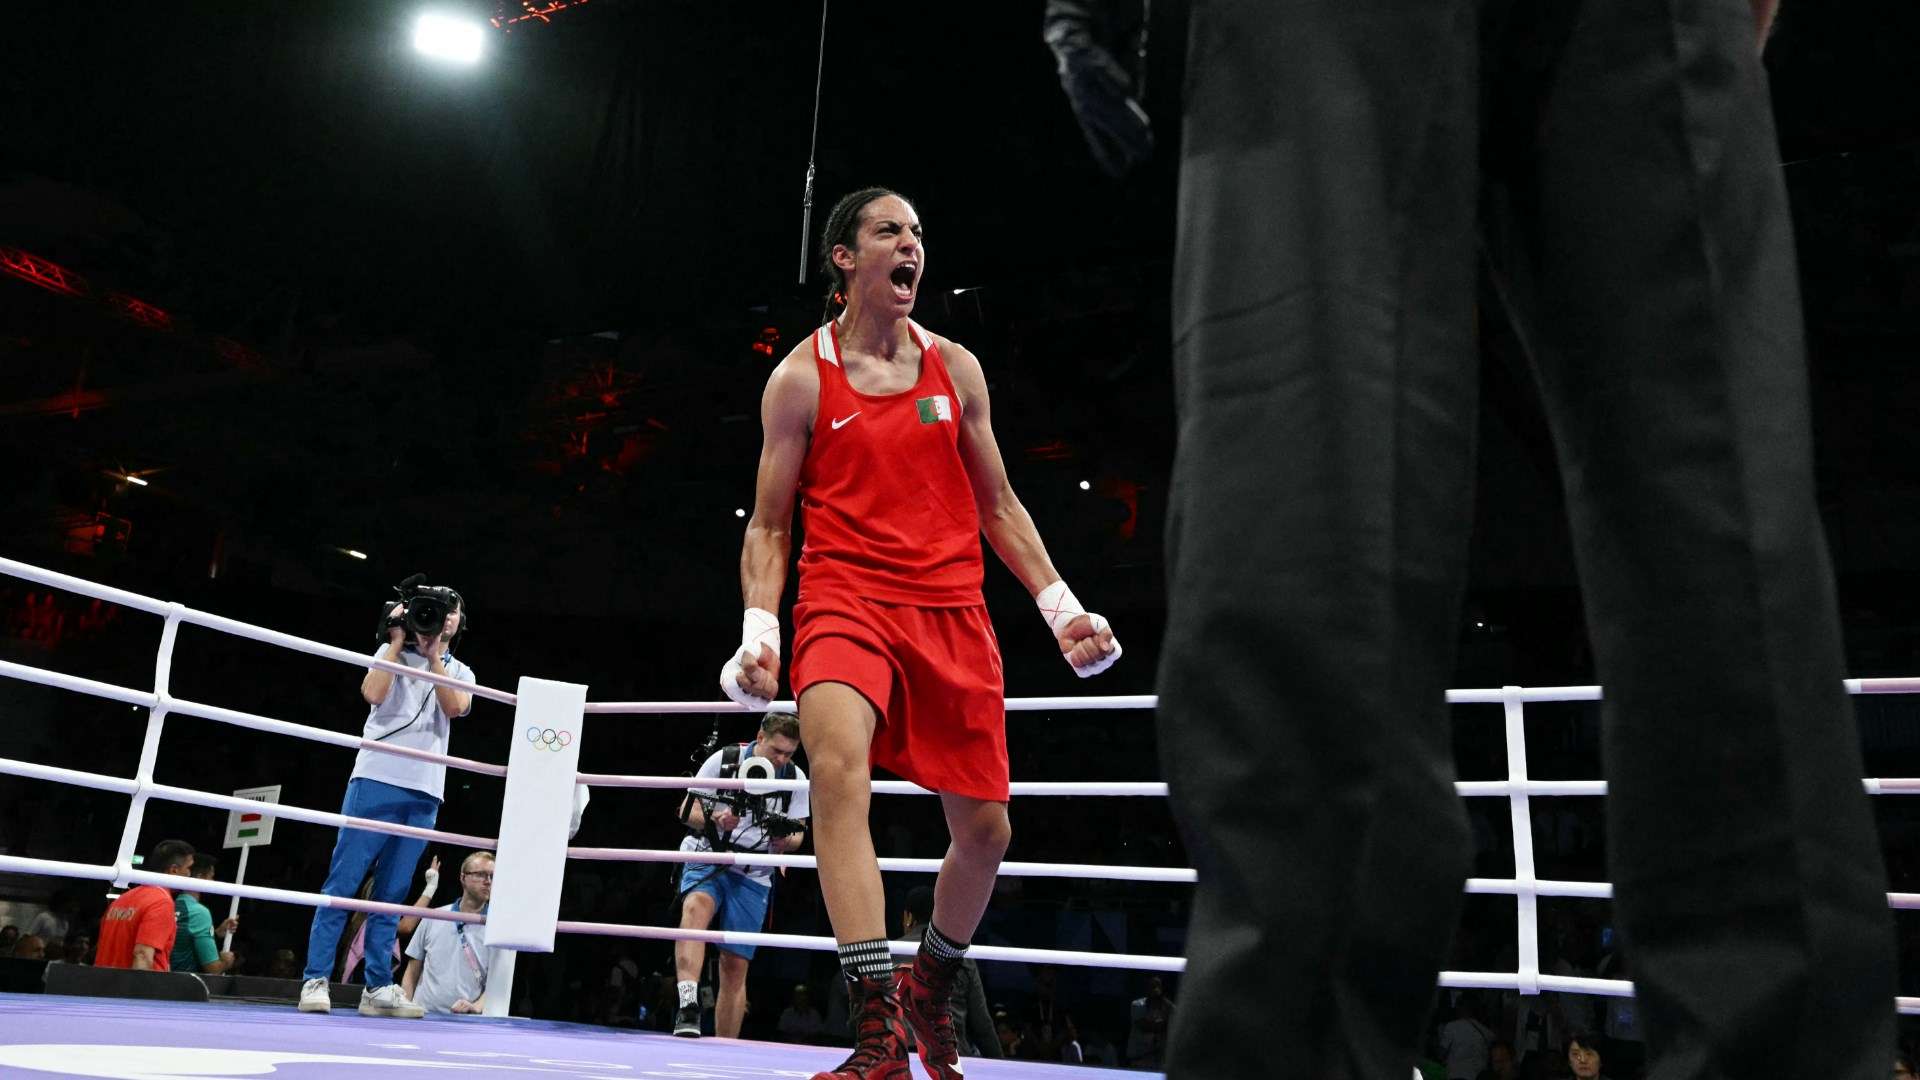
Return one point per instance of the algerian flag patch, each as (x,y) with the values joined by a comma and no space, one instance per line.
(935,409)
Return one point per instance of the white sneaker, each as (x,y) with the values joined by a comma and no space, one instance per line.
(388,1001)
(313,996)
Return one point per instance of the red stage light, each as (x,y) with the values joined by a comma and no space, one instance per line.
(529,9)
(45,273)
(769,341)
(1057,450)
(235,353)
(140,311)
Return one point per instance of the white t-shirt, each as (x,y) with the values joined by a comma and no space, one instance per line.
(453,962)
(748,835)
(410,716)
(48,927)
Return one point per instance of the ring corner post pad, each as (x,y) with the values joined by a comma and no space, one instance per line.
(534,815)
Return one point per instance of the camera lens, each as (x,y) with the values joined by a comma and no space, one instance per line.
(426,615)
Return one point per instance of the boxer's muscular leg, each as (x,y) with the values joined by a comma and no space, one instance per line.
(980,833)
(836,726)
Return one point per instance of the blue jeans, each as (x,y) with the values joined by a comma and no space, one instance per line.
(392,860)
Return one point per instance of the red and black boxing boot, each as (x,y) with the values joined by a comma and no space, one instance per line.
(926,1000)
(880,1050)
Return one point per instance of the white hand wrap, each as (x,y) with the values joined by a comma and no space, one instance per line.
(757,627)
(1059,607)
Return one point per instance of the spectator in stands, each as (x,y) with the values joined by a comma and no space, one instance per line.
(1044,1027)
(1465,1040)
(9,936)
(1008,1035)
(1501,1062)
(79,949)
(30,948)
(1583,1056)
(1626,1047)
(800,1022)
(193,929)
(1903,1067)
(447,961)
(1099,1049)
(284,965)
(56,921)
(1071,1051)
(972,1027)
(1147,1034)
(621,994)
(137,931)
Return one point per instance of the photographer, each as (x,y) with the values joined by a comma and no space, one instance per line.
(736,895)
(420,632)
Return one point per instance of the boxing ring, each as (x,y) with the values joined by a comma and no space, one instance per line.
(145,1039)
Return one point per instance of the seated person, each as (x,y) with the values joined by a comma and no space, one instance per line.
(138,930)
(1583,1057)
(447,961)
(193,929)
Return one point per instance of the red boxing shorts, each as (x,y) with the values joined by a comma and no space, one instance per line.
(932,674)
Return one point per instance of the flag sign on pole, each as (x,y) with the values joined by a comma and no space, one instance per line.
(250,828)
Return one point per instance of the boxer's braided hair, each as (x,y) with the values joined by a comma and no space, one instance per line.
(843,227)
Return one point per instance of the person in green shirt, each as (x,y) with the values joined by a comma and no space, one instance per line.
(193,948)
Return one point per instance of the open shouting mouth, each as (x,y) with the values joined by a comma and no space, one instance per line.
(905,278)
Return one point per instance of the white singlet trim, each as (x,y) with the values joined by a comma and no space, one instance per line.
(823,341)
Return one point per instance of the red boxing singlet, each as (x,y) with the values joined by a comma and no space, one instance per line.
(885,501)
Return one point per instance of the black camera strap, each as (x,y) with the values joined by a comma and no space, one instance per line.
(416,713)
(410,723)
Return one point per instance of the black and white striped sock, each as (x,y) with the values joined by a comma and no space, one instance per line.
(941,947)
(866,959)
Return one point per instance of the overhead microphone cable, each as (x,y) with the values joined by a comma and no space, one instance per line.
(806,201)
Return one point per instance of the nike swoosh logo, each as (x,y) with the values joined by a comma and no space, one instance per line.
(838,424)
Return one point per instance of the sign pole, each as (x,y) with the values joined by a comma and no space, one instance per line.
(233,909)
(246,830)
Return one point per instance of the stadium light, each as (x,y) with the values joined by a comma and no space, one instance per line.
(445,37)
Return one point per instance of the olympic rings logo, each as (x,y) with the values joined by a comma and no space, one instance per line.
(549,739)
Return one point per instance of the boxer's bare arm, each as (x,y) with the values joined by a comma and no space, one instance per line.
(1008,527)
(787,411)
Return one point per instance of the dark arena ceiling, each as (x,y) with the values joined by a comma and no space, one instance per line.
(510,321)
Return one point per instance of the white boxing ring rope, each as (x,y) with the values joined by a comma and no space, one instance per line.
(1518,789)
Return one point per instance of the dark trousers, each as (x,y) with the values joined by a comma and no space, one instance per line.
(1347,166)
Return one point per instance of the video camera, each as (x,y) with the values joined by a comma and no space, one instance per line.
(424,610)
(742,803)
(772,822)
